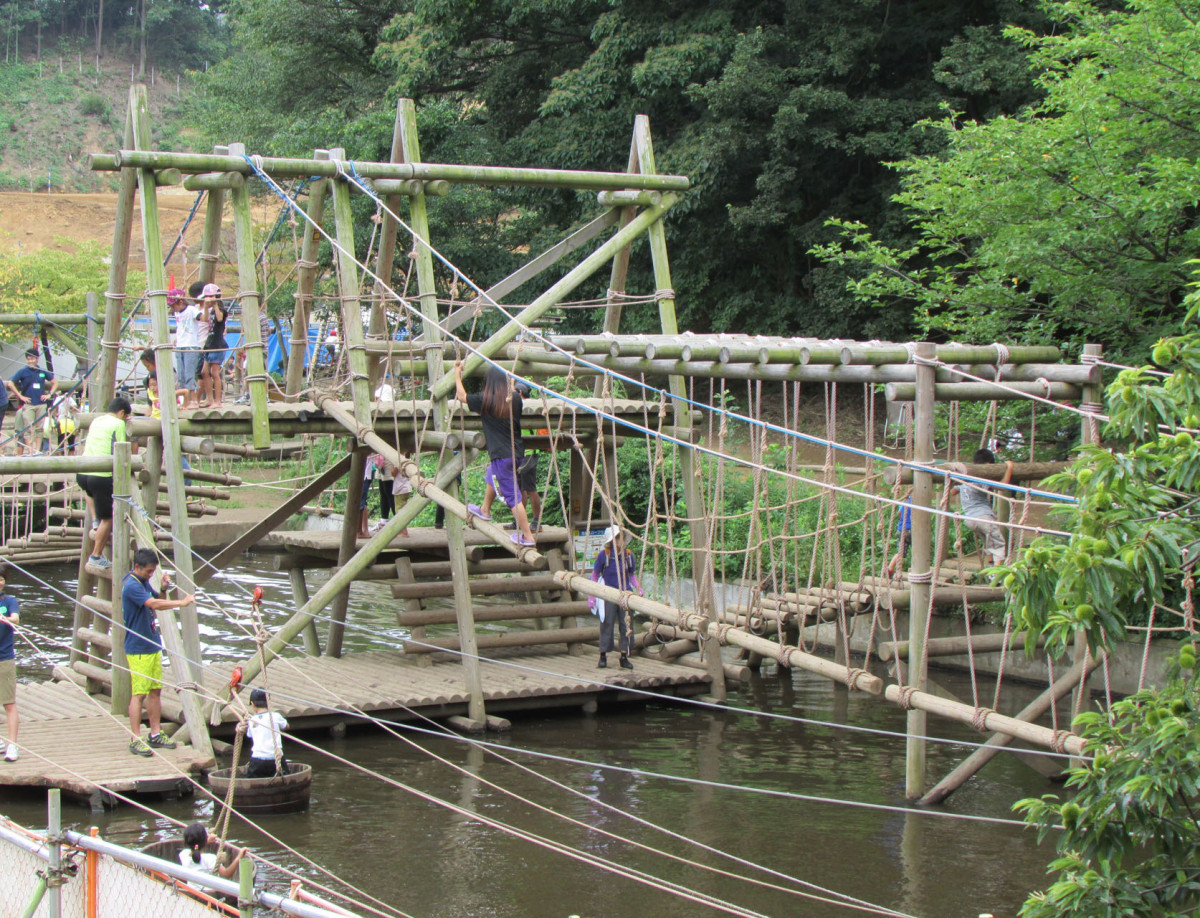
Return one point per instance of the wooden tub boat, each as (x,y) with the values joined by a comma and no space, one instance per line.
(278,794)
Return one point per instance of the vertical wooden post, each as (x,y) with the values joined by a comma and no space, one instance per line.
(312,641)
(306,273)
(210,240)
(418,215)
(387,254)
(346,549)
(252,341)
(921,574)
(186,653)
(702,570)
(118,271)
(620,269)
(246,888)
(1089,435)
(122,494)
(404,573)
(348,287)
(93,348)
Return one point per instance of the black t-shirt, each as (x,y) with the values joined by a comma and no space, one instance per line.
(503,435)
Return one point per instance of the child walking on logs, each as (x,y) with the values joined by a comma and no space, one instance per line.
(615,567)
(500,407)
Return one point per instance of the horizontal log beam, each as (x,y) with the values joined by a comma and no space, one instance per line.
(98,638)
(491,587)
(510,639)
(475,175)
(956,646)
(1021,471)
(986,392)
(214,181)
(493,613)
(791,656)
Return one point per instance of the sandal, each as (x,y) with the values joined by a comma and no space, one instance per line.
(475,510)
(519,539)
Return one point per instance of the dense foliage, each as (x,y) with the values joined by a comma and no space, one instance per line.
(782,113)
(1072,221)
(1129,838)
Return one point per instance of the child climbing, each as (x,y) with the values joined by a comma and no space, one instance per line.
(615,567)
(499,404)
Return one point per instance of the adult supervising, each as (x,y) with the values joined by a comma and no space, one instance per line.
(31,386)
(106,431)
(140,605)
(9,619)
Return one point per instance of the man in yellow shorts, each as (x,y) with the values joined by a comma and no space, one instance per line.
(143,649)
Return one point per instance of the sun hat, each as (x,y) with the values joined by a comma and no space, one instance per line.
(175,295)
(210,290)
(611,533)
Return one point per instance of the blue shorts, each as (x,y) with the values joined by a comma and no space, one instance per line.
(217,357)
(187,365)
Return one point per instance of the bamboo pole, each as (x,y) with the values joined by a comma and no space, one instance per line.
(509,639)
(691,621)
(956,646)
(214,181)
(385,260)
(493,613)
(921,571)
(406,144)
(1021,471)
(214,208)
(300,596)
(362,559)
(306,278)
(986,391)
(997,741)
(187,651)
(628,198)
(475,175)
(559,291)
(105,383)
(121,560)
(252,341)
(489,587)
(346,549)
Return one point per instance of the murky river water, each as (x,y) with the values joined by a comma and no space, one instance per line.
(424,860)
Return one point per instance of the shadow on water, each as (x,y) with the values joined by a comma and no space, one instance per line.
(428,861)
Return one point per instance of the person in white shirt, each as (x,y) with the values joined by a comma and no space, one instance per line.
(265,738)
(187,345)
(195,839)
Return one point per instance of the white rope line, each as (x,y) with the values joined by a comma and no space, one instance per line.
(598,413)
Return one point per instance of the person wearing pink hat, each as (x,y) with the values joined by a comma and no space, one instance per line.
(212,380)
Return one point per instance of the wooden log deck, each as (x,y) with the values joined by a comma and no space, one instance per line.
(422,540)
(70,741)
(317,691)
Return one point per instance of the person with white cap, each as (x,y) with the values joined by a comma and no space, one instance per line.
(212,382)
(615,567)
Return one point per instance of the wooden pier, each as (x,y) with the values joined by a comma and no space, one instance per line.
(389,684)
(70,741)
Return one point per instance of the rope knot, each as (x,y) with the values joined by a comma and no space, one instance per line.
(921,577)
(905,699)
(979,718)
(784,654)
(852,674)
(1058,742)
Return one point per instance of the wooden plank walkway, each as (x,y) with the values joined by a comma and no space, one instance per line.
(70,741)
(314,691)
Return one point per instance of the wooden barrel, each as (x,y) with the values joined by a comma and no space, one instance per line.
(278,794)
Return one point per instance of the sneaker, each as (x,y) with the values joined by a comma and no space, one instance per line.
(138,746)
(11,753)
(603,664)
(99,561)
(162,741)
(476,510)
(518,539)
(625,664)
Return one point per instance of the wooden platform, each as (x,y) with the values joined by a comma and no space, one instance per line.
(314,691)
(69,741)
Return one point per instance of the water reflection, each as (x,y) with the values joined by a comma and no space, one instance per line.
(428,861)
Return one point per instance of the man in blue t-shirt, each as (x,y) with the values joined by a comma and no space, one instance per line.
(143,648)
(31,385)
(9,619)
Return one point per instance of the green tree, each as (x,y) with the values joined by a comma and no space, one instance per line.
(779,111)
(1072,221)
(1129,838)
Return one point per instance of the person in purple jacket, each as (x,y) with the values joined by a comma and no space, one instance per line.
(615,567)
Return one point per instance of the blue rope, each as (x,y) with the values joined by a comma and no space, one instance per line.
(756,422)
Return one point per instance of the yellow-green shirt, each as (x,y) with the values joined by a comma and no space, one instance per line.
(104,432)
